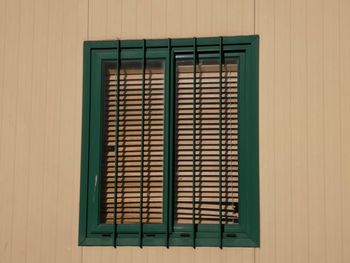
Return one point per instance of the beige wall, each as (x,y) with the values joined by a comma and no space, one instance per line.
(304,122)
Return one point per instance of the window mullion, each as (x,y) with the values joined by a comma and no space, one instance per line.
(116,147)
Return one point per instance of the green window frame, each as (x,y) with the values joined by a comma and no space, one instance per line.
(244,234)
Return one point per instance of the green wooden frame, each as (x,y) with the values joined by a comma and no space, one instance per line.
(244,234)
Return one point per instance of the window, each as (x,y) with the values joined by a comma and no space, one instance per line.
(170,143)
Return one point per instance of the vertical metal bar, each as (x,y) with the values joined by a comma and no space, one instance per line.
(116,146)
(220,140)
(172,140)
(142,139)
(167,180)
(194,144)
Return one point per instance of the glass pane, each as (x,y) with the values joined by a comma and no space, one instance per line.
(198,142)
(131,140)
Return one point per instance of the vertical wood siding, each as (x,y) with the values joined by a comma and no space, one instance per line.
(304,152)
(304,122)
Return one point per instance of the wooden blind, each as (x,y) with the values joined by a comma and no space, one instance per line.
(198,142)
(140,127)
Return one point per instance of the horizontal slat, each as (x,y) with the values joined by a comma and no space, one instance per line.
(156,198)
(207,69)
(133,175)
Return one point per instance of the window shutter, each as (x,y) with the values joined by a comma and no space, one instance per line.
(198,142)
(140,126)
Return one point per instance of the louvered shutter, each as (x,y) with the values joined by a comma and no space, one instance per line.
(198,142)
(133,167)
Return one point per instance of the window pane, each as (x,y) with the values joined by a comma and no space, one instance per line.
(130,138)
(198,131)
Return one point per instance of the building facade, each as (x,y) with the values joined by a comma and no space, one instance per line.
(304,109)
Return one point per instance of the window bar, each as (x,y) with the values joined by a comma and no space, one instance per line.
(116,147)
(142,139)
(231,149)
(168,173)
(220,141)
(194,144)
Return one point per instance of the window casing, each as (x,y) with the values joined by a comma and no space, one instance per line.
(164,77)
